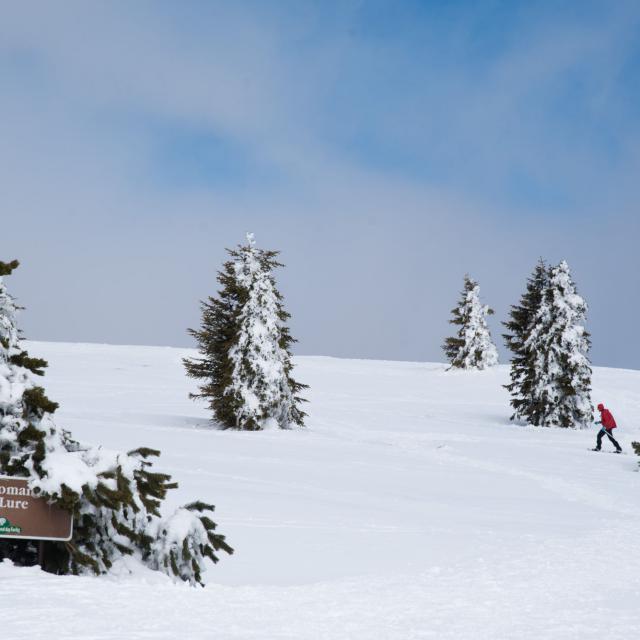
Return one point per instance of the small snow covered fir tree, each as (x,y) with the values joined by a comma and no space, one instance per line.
(472,346)
(519,326)
(550,374)
(244,342)
(115,497)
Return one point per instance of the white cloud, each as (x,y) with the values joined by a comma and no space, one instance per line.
(74,191)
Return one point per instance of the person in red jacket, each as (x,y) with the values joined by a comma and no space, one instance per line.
(608,425)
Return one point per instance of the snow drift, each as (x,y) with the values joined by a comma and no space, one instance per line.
(409,508)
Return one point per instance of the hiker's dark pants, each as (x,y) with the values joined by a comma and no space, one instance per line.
(600,436)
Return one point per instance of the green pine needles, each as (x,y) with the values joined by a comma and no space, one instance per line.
(519,327)
(115,497)
(245,347)
(636,448)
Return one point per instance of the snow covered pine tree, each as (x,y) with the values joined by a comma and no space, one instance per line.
(472,347)
(245,347)
(115,498)
(520,324)
(555,386)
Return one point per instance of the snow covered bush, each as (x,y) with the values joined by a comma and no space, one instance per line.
(551,373)
(115,497)
(636,448)
(245,347)
(472,346)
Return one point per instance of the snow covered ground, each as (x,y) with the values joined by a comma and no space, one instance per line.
(409,508)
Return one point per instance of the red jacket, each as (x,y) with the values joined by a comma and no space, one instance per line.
(607,419)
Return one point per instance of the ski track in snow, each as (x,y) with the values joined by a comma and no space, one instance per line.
(409,508)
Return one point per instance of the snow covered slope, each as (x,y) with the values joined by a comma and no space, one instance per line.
(409,508)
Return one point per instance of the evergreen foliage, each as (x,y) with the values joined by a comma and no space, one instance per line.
(244,342)
(472,346)
(636,448)
(115,498)
(550,374)
(561,344)
(519,326)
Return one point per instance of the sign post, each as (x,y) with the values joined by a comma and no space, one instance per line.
(23,515)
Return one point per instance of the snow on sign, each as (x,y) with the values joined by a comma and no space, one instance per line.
(23,515)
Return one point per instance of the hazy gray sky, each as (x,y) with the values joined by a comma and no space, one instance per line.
(386,148)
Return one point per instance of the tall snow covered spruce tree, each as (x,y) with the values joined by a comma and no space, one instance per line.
(561,343)
(472,346)
(245,362)
(551,373)
(519,326)
(115,498)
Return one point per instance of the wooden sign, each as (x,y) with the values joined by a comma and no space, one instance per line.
(23,515)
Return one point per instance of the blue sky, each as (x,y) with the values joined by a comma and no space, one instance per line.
(385,147)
